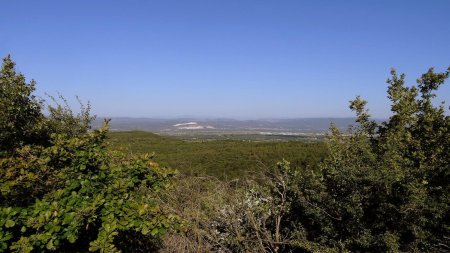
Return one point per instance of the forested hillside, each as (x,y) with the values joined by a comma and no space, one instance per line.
(220,158)
(378,187)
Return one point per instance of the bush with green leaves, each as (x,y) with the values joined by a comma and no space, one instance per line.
(69,192)
(62,119)
(384,187)
(20,111)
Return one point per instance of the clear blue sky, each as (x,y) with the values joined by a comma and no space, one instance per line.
(242,59)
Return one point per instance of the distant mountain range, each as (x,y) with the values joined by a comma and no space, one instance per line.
(299,126)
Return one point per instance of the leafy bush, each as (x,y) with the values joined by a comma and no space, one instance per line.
(68,192)
(384,187)
(20,111)
(61,118)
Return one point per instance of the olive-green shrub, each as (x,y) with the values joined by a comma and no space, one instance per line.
(384,187)
(68,192)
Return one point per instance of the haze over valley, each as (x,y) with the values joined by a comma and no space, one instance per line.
(303,127)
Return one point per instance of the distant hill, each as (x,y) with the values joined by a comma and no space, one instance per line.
(301,126)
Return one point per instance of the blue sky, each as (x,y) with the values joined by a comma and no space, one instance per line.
(239,59)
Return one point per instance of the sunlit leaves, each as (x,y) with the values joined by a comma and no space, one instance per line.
(60,191)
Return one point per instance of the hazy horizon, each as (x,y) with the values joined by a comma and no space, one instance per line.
(224,126)
(225,118)
(234,59)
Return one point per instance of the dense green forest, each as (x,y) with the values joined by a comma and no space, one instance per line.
(378,187)
(220,158)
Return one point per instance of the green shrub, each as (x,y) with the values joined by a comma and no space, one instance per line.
(20,111)
(384,187)
(69,192)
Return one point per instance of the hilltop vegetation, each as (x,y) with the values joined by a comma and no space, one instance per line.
(378,187)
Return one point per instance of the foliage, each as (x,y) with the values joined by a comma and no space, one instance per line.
(384,187)
(20,111)
(70,193)
(62,119)
(21,119)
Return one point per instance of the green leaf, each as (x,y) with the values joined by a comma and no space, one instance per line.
(50,245)
(145,230)
(123,222)
(71,238)
(10,223)
(154,232)
(94,248)
(162,231)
